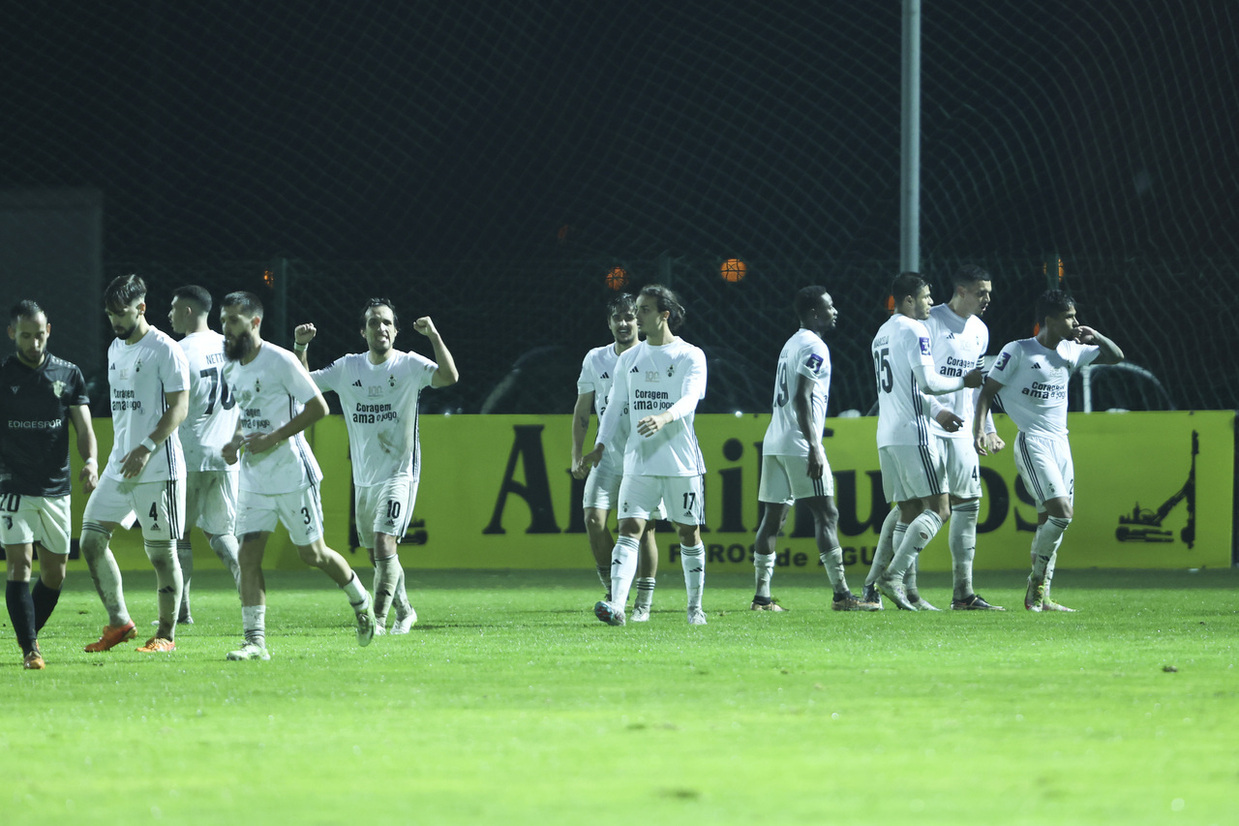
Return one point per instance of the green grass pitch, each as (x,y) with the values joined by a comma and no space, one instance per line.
(509,703)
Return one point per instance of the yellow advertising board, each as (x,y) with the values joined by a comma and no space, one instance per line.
(1153,490)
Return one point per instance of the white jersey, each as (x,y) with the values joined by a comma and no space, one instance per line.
(597,377)
(270,391)
(903,410)
(650,380)
(380,411)
(804,355)
(1034,380)
(139,376)
(212,418)
(959,347)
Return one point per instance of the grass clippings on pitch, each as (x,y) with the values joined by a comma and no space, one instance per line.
(509,703)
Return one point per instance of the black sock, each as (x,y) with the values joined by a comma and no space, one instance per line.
(44,603)
(21,613)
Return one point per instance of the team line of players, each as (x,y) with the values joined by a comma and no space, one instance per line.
(207,432)
(933,424)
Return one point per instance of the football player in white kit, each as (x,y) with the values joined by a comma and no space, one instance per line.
(1030,378)
(660,381)
(960,339)
(794,468)
(210,482)
(602,483)
(279,474)
(148,382)
(378,391)
(913,472)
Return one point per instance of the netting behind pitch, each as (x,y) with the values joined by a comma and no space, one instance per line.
(491,161)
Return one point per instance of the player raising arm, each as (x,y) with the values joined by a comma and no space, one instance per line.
(1030,377)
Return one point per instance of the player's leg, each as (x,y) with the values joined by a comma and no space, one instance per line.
(45,593)
(1039,464)
(685,499)
(162,509)
(765,546)
(253,588)
(405,615)
(640,497)
(390,507)
(19,557)
(774,492)
(218,520)
(647,568)
(917,485)
(301,512)
(194,492)
(107,508)
(889,537)
(598,499)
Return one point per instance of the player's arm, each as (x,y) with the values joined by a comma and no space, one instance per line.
(87,447)
(175,411)
(985,401)
(609,421)
(802,405)
(1110,352)
(314,409)
(928,380)
(303,334)
(447,374)
(580,424)
(694,389)
(231,451)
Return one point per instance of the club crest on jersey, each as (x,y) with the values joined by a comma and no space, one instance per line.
(58,387)
(137,366)
(257,387)
(670,370)
(925,348)
(391,381)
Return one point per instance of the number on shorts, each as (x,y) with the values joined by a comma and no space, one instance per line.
(305,513)
(393,510)
(690,500)
(11,502)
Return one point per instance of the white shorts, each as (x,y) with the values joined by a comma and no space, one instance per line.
(963,468)
(911,471)
(300,512)
(642,497)
(784,479)
(35,520)
(602,492)
(159,507)
(384,508)
(211,501)
(1044,463)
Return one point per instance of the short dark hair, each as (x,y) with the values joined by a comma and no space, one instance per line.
(969,274)
(906,284)
(668,302)
(195,294)
(806,300)
(380,302)
(622,303)
(24,309)
(246,302)
(123,291)
(1053,302)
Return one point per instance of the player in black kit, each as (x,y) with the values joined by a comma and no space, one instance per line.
(40,395)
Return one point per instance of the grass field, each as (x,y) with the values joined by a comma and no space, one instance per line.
(510,703)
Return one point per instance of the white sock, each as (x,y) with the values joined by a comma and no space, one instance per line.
(887,543)
(105,572)
(623,569)
(162,554)
(386,575)
(185,556)
(763,569)
(254,624)
(832,561)
(1045,542)
(645,592)
(1049,569)
(604,576)
(357,595)
(226,548)
(919,533)
(963,539)
(909,579)
(693,561)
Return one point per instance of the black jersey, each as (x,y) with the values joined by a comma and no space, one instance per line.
(34,425)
